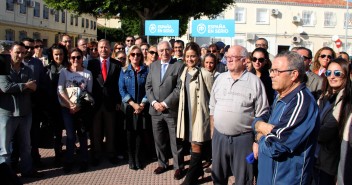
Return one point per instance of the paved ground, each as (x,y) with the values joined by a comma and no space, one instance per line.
(105,174)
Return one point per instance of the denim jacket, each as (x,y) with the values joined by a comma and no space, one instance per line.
(127,84)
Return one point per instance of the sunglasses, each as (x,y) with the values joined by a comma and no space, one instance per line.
(129,40)
(66,41)
(153,52)
(136,54)
(94,49)
(29,47)
(337,73)
(121,58)
(39,46)
(323,56)
(76,57)
(305,58)
(261,60)
(119,49)
(212,51)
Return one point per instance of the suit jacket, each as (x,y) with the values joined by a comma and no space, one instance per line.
(314,84)
(166,89)
(105,93)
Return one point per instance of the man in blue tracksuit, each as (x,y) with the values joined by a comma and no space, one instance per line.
(287,135)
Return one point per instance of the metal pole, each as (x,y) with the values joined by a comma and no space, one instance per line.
(346,27)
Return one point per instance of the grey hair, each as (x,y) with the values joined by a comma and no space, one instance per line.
(163,42)
(295,61)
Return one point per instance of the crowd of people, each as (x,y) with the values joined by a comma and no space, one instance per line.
(264,119)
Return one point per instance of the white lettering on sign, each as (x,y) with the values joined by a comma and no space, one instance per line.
(217,28)
(165,28)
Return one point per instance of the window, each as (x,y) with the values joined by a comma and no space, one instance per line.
(23,8)
(63,16)
(329,19)
(82,23)
(71,20)
(36,10)
(262,16)
(76,20)
(57,15)
(23,34)
(36,35)
(91,24)
(349,20)
(45,12)
(87,23)
(220,16)
(308,18)
(95,25)
(240,15)
(10,35)
(9,5)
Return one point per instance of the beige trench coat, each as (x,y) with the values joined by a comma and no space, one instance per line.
(199,87)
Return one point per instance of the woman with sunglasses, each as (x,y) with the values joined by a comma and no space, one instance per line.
(335,108)
(121,57)
(321,60)
(193,123)
(132,89)
(152,55)
(93,50)
(118,46)
(58,60)
(74,81)
(260,67)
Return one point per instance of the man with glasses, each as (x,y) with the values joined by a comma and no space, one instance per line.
(129,42)
(66,41)
(263,43)
(237,97)
(287,135)
(163,94)
(178,47)
(315,82)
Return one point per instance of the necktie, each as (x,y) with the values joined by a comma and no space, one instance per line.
(104,70)
(163,70)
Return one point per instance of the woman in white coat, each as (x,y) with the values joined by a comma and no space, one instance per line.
(193,123)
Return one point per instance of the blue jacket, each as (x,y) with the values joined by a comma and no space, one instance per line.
(286,154)
(127,84)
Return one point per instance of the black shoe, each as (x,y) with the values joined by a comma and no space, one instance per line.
(33,174)
(113,160)
(132,166)
(68,167)
(83,167)
(160,170)
(179,173)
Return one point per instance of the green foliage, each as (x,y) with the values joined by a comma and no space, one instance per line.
(134,12)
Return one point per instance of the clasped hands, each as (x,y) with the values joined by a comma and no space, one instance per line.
(159,107)
(74,108)
(138,108)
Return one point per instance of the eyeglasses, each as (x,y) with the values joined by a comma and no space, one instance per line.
(337,73)
(323,56)
(212,51)
(67,41)
(260,45)
(153,52)
(121,58)
(76,57)
(233,57)
(305,58)
(136,54)
(39,46)
(276,71)
(261,60)
(94,49)
(29,47)
(166,50)
(129,40)
(120,49)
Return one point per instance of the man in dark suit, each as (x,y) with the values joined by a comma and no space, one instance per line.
(315,82)
(163,95)
(105,71)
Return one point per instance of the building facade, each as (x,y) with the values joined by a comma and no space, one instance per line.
(34,19)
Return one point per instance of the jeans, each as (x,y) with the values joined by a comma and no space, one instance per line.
(8,126)
(72,125)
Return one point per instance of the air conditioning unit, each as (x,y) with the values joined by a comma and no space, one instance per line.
(250,36)
(274,12)
(31,3)
(296,19)
(296,38)
(19,1)
(52,11)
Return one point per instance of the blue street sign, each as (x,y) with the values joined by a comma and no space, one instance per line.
(213,28)
(162,28)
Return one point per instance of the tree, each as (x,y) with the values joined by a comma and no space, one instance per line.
(141,10)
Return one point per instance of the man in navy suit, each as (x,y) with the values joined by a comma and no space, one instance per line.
(163,95)
(106,72)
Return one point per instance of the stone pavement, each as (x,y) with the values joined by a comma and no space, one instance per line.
(106,174)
